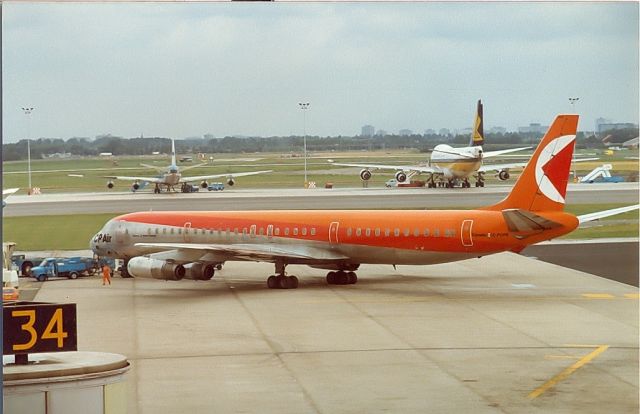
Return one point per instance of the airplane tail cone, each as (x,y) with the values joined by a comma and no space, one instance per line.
(543,183)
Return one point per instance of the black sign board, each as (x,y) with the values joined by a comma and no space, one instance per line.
(32,327)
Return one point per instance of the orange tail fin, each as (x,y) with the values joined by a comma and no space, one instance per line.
(543,183)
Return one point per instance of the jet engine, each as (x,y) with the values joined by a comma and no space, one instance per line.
(199,271)
(154,268)
(135,186)
(401,177)
(204,184)
(365,174)
(231,182)
(503,175)
(110,184)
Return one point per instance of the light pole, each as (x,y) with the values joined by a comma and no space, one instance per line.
(27,112)
(572,102)
(304,107)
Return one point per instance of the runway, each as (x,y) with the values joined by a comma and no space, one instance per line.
(270,199)
(503,334)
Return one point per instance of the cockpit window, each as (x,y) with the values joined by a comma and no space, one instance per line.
(173,170)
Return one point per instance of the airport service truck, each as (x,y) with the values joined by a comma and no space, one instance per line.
(9,272)
(24,263)
(64,267)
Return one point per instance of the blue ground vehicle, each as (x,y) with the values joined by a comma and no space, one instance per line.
(64,267)
(25,263)
(215,187)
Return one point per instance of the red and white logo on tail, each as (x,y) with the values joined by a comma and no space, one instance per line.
(542,186)
(550,176)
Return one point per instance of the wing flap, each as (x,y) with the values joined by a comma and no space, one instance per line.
(259,252)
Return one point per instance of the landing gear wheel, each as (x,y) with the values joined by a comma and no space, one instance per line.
(293,282)
(272,282)
(342,278)
(331,278)
(353,278)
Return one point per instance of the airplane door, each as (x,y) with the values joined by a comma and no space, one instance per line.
(121,233)
(270,231)
(465,233)
(186,231)
(333,232)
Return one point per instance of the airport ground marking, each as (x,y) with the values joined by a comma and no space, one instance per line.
(570,370)
(632,295)
(598,296)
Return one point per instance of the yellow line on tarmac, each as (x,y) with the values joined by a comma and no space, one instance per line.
(632,295)
(598,296)
(568,371)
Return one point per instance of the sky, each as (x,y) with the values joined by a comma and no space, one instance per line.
(187,69)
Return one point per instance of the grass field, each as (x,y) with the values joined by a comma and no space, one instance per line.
(52,175)
(72,232)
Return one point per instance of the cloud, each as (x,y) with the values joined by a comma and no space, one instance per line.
(187,69)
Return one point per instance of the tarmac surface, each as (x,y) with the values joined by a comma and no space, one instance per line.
(269,199)
(502,334)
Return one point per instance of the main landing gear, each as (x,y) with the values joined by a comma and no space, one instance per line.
(280,280)
(342,278)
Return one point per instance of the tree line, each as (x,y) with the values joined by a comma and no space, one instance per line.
(43,147)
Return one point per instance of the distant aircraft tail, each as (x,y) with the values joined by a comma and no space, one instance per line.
(543,183)
(477,136)
(173,152)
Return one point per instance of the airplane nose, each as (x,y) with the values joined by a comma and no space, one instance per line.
(92,244)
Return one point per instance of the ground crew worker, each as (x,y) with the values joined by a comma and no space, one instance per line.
(106,274)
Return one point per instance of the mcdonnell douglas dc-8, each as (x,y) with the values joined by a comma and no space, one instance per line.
(171,176)
(184,244)
(449,166)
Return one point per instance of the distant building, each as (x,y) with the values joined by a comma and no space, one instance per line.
(367,131)
(429,131)
(534,127)
(444,132)
(618,125)
(600,121)
(381,133)
(405,132)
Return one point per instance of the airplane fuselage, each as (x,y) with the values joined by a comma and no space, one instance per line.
(457,162)
(363,236)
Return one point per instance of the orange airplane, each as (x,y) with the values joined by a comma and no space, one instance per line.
(182,244)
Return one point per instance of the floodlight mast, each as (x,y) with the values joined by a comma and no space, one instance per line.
(27,111)
(304,106)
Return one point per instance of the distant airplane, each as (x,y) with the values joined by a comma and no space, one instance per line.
(172,245)
(171,176)
(6,193)
(449,166)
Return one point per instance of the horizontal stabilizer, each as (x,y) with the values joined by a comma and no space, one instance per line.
(522,221)
(606,213)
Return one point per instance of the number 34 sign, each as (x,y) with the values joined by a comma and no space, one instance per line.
(32,327)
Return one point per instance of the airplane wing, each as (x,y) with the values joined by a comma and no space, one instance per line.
(406,168)
(501,167)
(488,154)
(8,192)
(159,180)
(606,213)
(189,252)
(226,175)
